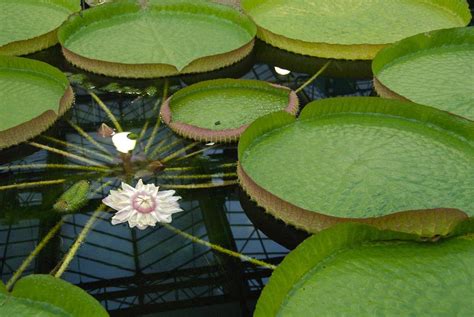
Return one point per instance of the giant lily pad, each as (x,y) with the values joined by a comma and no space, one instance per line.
(33,95)
(356,270)
(31,25)
(220,110)
(350,29)
(379,161)
(44,295)
(435,69)
(157,38)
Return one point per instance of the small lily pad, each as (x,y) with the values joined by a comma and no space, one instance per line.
(357,270)
(33,95)
(157,38)
(354,30)
(435,69)
(220,110)
(378,161)
(31,25)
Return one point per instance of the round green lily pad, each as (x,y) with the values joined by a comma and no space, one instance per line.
(350,29)
(373,160)
(31,25)
(145,39)
(435,69)
(356,270)
(220,110)
(33,95)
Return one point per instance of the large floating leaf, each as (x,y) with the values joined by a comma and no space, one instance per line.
(158,38)
(345,271)
(45,295)
(31,25)
(350,29)
(385,162)
(220,110)
(33,95)
(435,69)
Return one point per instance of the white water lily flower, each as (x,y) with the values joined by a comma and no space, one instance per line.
(123,143)
(143,205)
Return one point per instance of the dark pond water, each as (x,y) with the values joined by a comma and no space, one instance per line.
(153,272)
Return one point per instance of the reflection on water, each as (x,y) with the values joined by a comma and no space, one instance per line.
(151,272)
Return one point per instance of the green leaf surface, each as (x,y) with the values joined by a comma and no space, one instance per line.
(54,291)
(363,157)
(26,19)
(435,69)
(12,306)
(3,288)
(355,22)
(226,103)
(352,269)
(164,32)
(25,88)
(29,89)
(30,25)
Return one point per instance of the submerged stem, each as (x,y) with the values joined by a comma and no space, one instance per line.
(164,148)
(77,244)
(33,254)
(178,152)
(196,152)
(158,120)
(53,166)
(66,154)
(32,184)
(189,168)
(219,248)
(83,150)
(107,111)
(312,78)
(196,186)
(88,137)
(198,176)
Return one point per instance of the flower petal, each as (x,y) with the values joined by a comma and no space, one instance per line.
(127,187)
(140,185)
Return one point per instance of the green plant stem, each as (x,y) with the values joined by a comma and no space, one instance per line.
(53,166)
(198,176)
(178,152)
(163,149)
(127,163)
(88,138)
(77,244)
(196,152)
(196,186)
(312,78)
(33,254)
(143,130)
(32,184)
(180,169)
(159,145)
(219,248)
(189,168)
(107,111)
(66,154)
(158,119)
(99,188)
(83,150)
